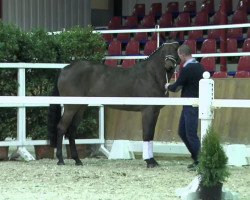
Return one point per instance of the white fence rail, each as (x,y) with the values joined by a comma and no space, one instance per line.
(205,103)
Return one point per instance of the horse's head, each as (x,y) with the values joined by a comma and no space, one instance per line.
(169,52)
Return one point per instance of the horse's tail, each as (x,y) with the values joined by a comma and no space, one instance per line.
(54,117)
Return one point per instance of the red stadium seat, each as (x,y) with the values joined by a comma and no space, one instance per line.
(219,74)
(115,23)
(132,48)
(150,47)
(127,63)
(162,37)
(131,22)
(166,20)
(123,37)
(208,46)
(141,37)
(175,75)
(239,17)
(244,63)
(183,20)
(242,74)
(217,18)
(139,10)
(115,48)
(177,35)
(192,45)
(208,6)
(195,35)
(232,45)
(108,37)
(248,33)
(214,34)
(173,7)
(235,33)
(228,5)
(155,9)
(148,21)
(111,62)
(208,63)
(201,18)
(189,6)
(243,5)
(246,45)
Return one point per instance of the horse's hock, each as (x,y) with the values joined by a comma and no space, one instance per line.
(231,123)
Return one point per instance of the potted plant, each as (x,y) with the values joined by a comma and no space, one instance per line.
(212,167)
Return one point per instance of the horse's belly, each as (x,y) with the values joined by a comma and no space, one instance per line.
(127,108)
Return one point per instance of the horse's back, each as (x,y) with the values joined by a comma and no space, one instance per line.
(86,78)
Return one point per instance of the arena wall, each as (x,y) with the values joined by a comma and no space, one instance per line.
(232,123)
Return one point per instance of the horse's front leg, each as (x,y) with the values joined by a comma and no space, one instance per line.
(149,119)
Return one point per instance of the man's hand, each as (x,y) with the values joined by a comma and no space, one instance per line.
(166,86)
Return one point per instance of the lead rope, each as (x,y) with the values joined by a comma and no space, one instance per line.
(167,81)
(175,72)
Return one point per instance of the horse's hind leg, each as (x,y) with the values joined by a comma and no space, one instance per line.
(62,127)
(71,136)
(149,118)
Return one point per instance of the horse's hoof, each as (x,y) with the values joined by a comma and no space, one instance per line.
(151,163)
(78,163)
(60,163)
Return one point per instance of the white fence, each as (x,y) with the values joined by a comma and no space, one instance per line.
(206,102)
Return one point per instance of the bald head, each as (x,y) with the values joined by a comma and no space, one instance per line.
(185,50)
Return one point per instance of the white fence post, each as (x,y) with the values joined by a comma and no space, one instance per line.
(21,118)
(21,115)
(206,97)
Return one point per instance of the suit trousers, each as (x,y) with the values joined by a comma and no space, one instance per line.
(188,126)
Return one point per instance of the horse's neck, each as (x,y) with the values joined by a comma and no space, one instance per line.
(170,74)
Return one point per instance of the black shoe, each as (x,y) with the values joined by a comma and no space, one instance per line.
(151,163)
(193,166)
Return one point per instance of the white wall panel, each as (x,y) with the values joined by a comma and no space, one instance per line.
(52,15)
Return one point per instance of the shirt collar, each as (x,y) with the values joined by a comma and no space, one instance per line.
(191,60)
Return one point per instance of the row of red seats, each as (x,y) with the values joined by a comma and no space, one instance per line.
(210,45)
(207,46)
(184,19)
(132,48)
(198,35)
(189,6)
(173,7)
(128,63)
(209,63)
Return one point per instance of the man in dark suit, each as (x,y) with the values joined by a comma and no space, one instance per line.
(188,83)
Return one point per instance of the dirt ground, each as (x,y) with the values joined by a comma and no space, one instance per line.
(103,179)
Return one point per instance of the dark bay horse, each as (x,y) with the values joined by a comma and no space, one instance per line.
(147,78)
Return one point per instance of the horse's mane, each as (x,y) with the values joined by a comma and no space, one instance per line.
(156,50)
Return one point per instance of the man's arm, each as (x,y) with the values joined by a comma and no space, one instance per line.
(177,86)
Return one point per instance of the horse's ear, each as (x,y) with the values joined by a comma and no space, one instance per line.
(169,39)
(176,44)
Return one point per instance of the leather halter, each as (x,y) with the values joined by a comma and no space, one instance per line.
(173,60)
